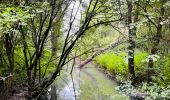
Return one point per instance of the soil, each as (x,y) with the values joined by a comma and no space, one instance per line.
(18,94)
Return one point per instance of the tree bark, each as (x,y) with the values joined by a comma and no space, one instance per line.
(55,35)
(9,52)
(132,35)
(156,40)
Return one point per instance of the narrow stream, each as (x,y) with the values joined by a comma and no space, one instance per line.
(87,84)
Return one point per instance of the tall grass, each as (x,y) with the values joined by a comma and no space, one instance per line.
(112,62)
(117,63)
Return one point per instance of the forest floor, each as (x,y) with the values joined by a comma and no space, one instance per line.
(18,94)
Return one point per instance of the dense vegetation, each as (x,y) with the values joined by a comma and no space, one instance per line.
(128,39)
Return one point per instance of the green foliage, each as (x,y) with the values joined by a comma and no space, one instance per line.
(139,63)
(9,16)
(31,18)
(153,57)
(154,91)
(116,63)
(151,91)
(166,68)
(96,38)
(112,62)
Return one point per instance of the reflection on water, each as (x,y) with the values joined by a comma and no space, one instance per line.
(87,84)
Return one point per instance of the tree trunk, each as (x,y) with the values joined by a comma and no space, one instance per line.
(53,43)
(55,34)
(89,59)
(132,35)
(9,52)
(156,40)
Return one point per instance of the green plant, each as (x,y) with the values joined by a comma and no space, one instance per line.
(112,62)
(166,68)
(150,91)
(154,91)
(139,63)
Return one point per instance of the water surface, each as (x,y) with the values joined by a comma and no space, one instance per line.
(87,84)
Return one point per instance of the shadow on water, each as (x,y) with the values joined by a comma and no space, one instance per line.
(87,84)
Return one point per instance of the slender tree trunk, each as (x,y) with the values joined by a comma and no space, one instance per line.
(132,34)
(53,93)
(1,63)
(53,43)
(55,34)
(9,52)
(156,40)
(1,53)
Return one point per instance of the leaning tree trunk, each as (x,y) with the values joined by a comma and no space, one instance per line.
(95,54)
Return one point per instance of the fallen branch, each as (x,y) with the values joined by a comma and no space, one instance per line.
(88,60)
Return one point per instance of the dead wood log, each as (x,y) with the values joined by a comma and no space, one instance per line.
(89,59)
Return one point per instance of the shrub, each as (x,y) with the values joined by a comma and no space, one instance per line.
(150,91)
(117,63)
(138,59)
(112,62)
(166,68)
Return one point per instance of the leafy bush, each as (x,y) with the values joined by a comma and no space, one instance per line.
(117,63)
(154,91)
(138,59)
(166,68)
(151,91)
(112,62)
(161,69)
